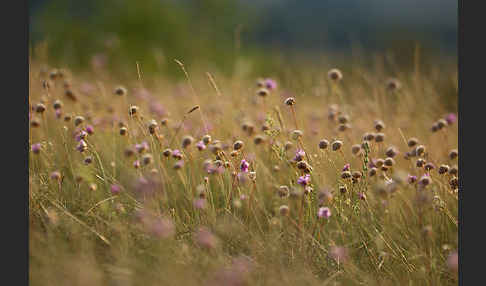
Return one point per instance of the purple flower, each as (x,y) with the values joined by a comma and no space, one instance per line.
(372,163)
(451,118)
(81,135)
(200,145)
(142,147)
(36,148)
(115,189)
(162,228)
(299,155)
(177,154)
(82,146)
(58,113)
(346,167)
(270,84)
(199,204)
(324,212)
(90,129)
(411,179)
(304,180)
(158,109)
(244,166)
(136,164)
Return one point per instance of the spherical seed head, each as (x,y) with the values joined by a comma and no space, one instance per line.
(344,127)
(324,212)
(454,170)
(302,165)
(206,139)
(179,164)
(283,191)
(123,131)
(284,210)
(40,108)
(357,174)
(336,145)
(78,120)
(167,152)
(412,142)
(441,123)
(152,123)
(420,162)
(133,110)
(120,91)
(70,95)
(389,162)
(323,144)
(355,149)
(379,162)
(343,189)
(335,75)
(380,137)
(296,134)
(88,160)
(369,136)
(393,84)
(391,151)
(186,141)
(454,183)
(453,154)
(379,125)
(260,82)
(443,169)
(238,145)
(147,159)
(34,122)
(82,146)
(263,92)
(343,118)
(435,127)
(411,179)
(420,150)
(429,166)
(372,172)
(290,101)
(259,139)
(304,180)
(346,175)
(177,154)
(425,180)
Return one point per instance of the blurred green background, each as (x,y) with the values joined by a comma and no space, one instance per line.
(269,33)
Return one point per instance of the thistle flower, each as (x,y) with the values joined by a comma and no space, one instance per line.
(206,139)
(90,129)
(453,262)
(443,169)
(346,167)
(450,118)
(391,151)
(133,110)
(323,144)
(368,136)
(412,142)
(244,166)
(199,203)
(441,123)
(147,159)
(336,145)
(379,125)
(304,180)
(34,122)
(338,253)
(372,171)
(200,145)
(343,119)
(343,189)
(115,189)
(82,146)
(263,92)
(355,149)
(346,175)
(40,108)
(152,126)
(420,150)
(120,91)
(186,141)
(179,164)
(335,75)
(411,179)
(88,160)
(296,134)
(425,180)
(136,164)
(81,135)
(429,166)
(205,238)
(270,84)
(299,155)
(324,212)
(380,137)
(123,131)
(176,154)
(420,162)
(238,145)
(389,162)
(142,147)
(435,127)
(453,170)
(290,101)
(453,154)
(56,175)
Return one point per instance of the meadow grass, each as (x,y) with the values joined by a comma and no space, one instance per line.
(120,195)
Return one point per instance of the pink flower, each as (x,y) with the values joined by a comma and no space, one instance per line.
(324,212)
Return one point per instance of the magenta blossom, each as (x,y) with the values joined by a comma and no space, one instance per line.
(244,166)
(270,84)
(90,129)
(82,146)
(346,167)
(81,135)
(324,212)
(451,118)
(115,189)
(200,145)
(304,180)
(411,179)
(36,148)
(299,155)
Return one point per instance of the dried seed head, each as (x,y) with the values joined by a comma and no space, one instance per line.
(234,153)
(335,75)
(164,121)
(420,162)
(425,180)
(357,174)
(167,152)
(147,159)
(369,136)
(263,92)
(290,101)
(283,191)
(391,151)
(296,134)
(120,91)
(379,125)
(259,139)
(384,168)
(389,162)
(88,160)
(206,139)
(56,175)
(379,162)
(336,145)
(186,141)
(129,152)
(284,210)
(123,131)
(441,123)
(34,122)
(152,126)
(453,154)
(70,94)
(343,189)
(355,149)
(412,142)
(453,170)
(393,84)
(133,110)
(429,166)
(40,108)
(343,118)
(435,127)
(323,144)
(420,150)
(346,175)
(454,183)
(443,169)
(344,127)
(372,172)
(380,137)
(238,145)
(260,82)
(78,120)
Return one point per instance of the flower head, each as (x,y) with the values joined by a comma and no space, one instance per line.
(304,180)
(115,189)
(270,84)
(244,166)
(299,155)
(346,167)
(451,118)
(324,212)
(200,145)
(36,148)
